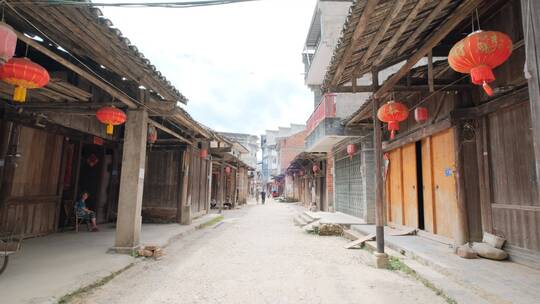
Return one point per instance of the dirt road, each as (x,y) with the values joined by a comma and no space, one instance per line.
(257,255)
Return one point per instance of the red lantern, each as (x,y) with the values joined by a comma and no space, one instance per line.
(393,112)
(421,114)
(301,173)
(227,170)
(351,150)
(315,168)
(8,42)
(479,53)
(23,74)
(112,117)
(152,134)
(203,153)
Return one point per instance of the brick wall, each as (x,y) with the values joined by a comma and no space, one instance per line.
(330,181)
(290,147)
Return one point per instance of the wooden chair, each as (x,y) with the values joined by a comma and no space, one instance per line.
(69,209)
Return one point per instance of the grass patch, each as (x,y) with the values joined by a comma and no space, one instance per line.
(211,222)
(70,296)
(395,264)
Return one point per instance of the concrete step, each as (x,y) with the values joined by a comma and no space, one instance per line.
(311,226)
(307,217)
(299,221)
(455,288)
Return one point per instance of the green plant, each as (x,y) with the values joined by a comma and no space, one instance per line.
(211,222)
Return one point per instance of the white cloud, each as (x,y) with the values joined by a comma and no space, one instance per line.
(239,65)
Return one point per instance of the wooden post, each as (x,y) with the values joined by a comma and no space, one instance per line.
(210,181)
(379,205)
(461,233)
(221,188)
(185,206)
(129,221)
(531,27)
(379,185)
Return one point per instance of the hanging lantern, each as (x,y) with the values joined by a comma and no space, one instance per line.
(152,134)
(315,168)
(203,153)
(23,74)
(421,114)
(8,42)
(351,150)
(112,117)
(301,173)
(393,112)
(227,170)
(479,53)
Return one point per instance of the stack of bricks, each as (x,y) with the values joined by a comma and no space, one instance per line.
(151,251)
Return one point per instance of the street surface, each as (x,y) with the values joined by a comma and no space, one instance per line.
(257,255)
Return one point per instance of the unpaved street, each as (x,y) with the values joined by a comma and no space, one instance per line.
(257,255)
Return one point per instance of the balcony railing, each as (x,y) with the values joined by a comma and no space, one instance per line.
(325,109)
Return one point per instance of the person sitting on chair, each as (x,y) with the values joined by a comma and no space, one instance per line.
(85,213)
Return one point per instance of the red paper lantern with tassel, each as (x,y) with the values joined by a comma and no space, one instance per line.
(227,170)
(478,54)
(24,74)
(111,116)
(315,168)
(8,42)
(351,150)
(421,114)
(203,153)
(152,134)
(393,112)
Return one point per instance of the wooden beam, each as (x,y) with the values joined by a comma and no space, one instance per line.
(431,83)
(87,75)
(171,132)
(383,28)
(221,150)
(494,105)
(422,27)
(417,134)
(369,8)
(459,14)
(404,26)
(405,88)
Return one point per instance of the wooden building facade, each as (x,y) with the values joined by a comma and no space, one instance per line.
(471,167)
(52,147)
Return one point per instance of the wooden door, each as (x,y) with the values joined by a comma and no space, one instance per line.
(410,181)
(440,191)
(401,185)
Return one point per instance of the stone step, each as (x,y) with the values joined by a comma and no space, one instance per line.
(306,217)
(311,226)
(299,221)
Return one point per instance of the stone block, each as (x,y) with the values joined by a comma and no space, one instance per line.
(330,229)
(489,252)
(466,252)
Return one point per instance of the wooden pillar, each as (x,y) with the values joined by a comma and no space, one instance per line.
(128,223)
(183,214)
(461,233)
(210,182)
(379,183)
(531,28)
(221,188)
(379,186)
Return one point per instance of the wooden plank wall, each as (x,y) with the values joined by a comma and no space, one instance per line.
(515,207)
(33,202)
(162,186)
(199,172)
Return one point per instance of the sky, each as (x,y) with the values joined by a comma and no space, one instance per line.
(239,65)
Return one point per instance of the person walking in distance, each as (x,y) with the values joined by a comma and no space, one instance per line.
(263,196)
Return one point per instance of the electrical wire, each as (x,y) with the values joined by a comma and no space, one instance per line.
(171,4)
(55,44)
